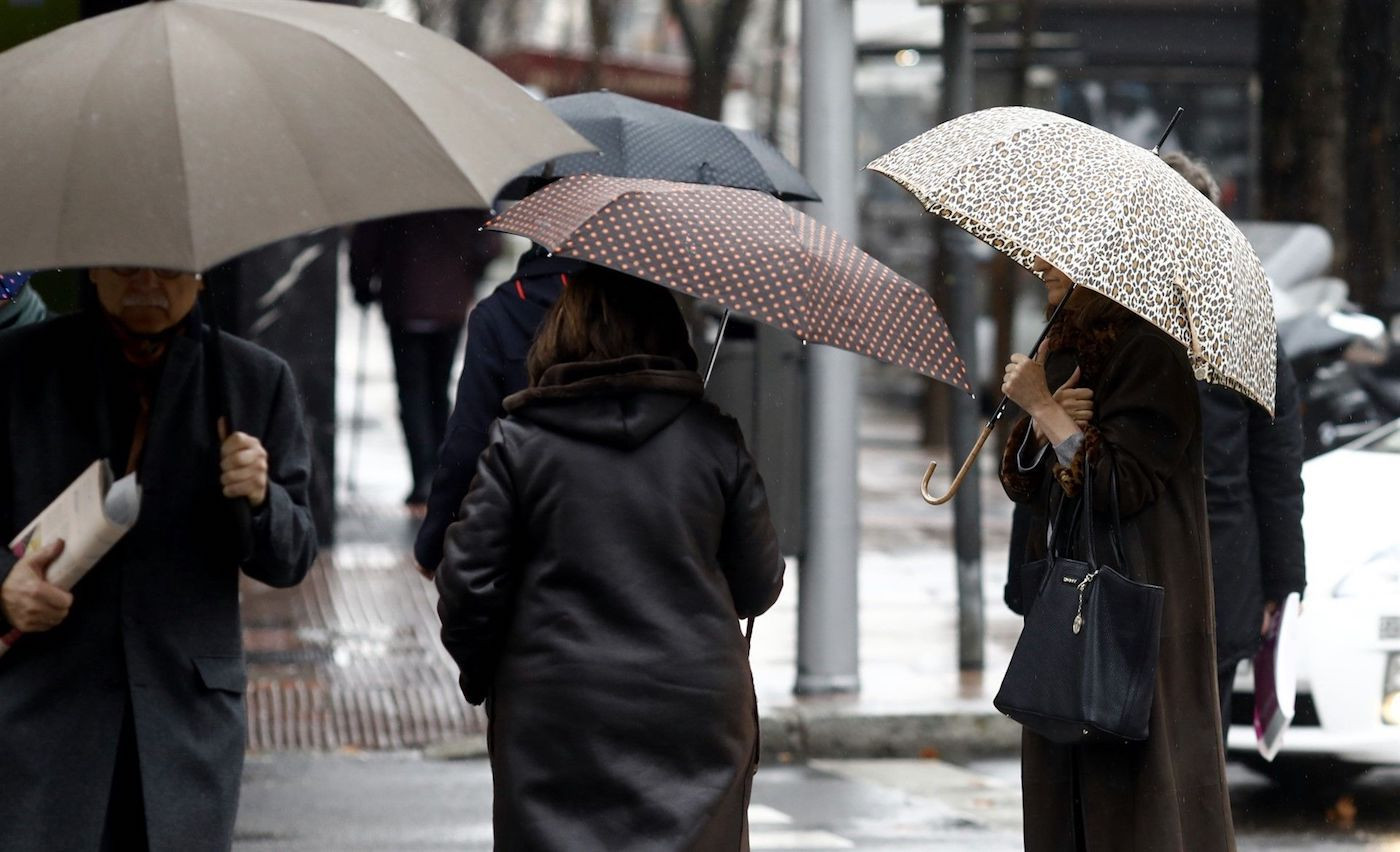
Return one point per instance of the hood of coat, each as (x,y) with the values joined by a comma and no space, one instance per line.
(620,403)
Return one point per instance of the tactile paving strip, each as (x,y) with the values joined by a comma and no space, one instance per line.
(350,659)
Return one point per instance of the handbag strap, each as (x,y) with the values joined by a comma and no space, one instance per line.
(1115,520)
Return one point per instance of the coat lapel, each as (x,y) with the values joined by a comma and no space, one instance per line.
(179,419)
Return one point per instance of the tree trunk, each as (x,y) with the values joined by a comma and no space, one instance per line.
(600,19)
(1303,118)
(711,37)
(778,35)
(470,14)
(1372,92)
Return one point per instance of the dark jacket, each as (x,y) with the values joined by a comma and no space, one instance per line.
(157,620)
(614,537)
(426,266)
(26,308)
(1169,792)
(500,330)
(1254,494)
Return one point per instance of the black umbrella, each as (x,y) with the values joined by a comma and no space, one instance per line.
(645,140)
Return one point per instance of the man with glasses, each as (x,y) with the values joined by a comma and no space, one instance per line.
(121,706)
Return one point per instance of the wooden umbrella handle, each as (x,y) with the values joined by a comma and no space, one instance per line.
(962,471)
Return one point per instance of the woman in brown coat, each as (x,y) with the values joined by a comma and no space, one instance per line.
(1127,405)
(614,536)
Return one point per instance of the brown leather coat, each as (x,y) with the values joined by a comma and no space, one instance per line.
(1169,792)
(614,536)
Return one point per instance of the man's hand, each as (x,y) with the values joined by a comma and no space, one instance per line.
(30,602)
(244,464)
(1270,613)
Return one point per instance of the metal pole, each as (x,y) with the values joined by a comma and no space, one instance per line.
(827,603)
(961,310)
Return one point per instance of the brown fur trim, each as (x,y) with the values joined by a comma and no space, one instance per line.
(1092,347)
(1071,476)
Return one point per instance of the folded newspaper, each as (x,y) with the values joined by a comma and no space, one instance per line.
(1276,678)
(91,516)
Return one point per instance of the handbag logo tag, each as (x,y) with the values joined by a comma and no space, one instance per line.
(1069,581)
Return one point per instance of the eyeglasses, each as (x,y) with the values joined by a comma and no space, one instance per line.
(163,274)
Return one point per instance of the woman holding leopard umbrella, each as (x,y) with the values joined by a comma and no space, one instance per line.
(1132,259)
(1128,409)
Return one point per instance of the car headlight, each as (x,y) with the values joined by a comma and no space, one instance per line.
(1390,703)
(1380,575)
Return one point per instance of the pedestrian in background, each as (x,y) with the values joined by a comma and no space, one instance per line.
(1254,497)
(1142,428)
(19,304)
(614,536)
(423,269)
(122,721)
(500,330)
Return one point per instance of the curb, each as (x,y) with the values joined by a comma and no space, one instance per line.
(797,736)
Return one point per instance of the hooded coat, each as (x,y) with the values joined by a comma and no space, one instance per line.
(156,622)
(1168,793)
(614,537)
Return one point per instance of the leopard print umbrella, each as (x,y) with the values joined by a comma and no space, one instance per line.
(745,251)
(1111,216)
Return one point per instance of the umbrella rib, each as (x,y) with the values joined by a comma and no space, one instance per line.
(180,153)
(375,79)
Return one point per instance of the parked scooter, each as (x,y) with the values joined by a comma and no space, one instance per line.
(1348,367)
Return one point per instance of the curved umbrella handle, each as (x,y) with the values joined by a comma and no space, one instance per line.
(962,471)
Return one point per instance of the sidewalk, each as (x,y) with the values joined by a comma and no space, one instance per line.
(350,659)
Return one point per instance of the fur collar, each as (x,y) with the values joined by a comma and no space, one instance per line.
(1092,348)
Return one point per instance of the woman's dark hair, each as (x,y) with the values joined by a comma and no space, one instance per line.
(1088,309)
(603,315)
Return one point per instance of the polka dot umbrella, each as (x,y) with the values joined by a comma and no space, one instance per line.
(744,251)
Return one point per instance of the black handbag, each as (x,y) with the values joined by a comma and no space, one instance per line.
(1085,666)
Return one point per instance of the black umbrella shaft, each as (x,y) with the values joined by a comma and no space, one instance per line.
(220,408)
(1165,133)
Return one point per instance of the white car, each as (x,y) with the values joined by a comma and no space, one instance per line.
(1348,707)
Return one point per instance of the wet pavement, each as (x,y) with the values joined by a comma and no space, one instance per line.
(399,801)
(350,659)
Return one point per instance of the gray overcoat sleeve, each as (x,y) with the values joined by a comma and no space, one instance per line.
(284,537)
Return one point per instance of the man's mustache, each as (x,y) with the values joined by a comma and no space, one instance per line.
(145,300)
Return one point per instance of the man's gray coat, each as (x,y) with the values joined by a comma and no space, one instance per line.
(158,618)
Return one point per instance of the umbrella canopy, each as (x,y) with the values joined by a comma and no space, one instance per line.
(645,140)
(180,133)
(747,252)
(1111,216)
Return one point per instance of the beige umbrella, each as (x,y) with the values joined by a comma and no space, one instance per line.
(1114,218)
(179,133)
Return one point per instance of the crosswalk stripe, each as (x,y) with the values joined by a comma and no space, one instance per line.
(798,840)
(764,815)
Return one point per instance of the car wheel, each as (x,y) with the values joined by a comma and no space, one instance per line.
(1307,773)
